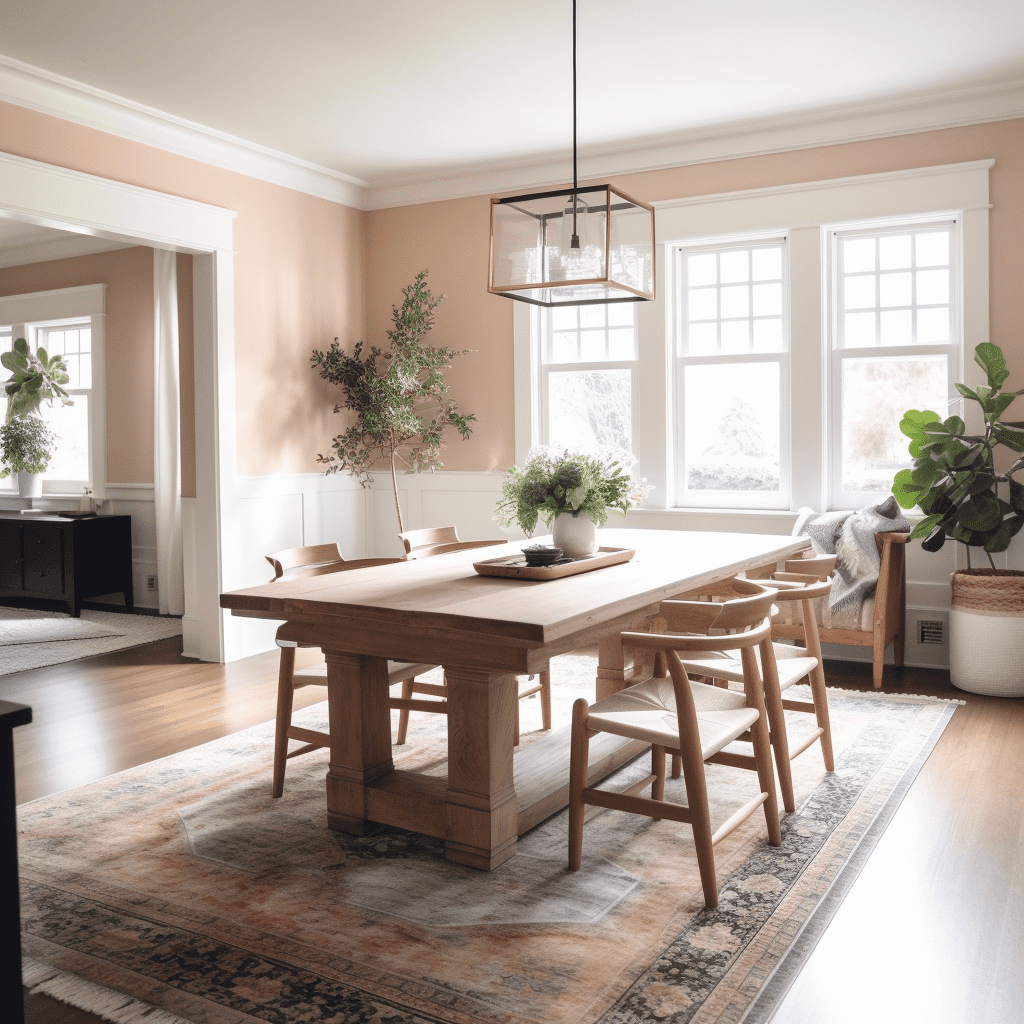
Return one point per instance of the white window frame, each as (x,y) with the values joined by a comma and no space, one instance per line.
(542,327)
(837,353)
(677,329)
(49,308)
(802,212)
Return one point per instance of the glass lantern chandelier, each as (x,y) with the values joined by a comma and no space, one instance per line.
(572,246)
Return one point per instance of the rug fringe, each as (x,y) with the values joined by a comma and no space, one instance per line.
(879,694)
(107,1003)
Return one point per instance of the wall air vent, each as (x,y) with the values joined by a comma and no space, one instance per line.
(929,631)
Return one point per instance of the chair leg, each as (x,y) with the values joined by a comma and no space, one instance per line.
(284,716)
(777,723)
(403,715)
(820,697)
(766,779)
(515,735)
(658,771)
(677,766)
(545,699)
(579,755)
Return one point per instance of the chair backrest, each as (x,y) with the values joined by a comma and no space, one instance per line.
(819,566)
(414,540)
(438,540)
(734,604)
(310,560)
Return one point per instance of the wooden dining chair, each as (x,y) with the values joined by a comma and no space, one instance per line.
(317,560)
(436,540)
(783,665)
(678,715)
(440,540)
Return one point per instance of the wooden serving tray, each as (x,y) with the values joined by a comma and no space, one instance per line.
(514,566)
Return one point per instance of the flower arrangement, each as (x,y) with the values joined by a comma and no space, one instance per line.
(26,443)
(573,482)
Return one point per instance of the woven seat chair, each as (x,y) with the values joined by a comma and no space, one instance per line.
(299,563)
(786,665)
(678,715)
(440,540)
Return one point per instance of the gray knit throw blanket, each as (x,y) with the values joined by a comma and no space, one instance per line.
(851,536)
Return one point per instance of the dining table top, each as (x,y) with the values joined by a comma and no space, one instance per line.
(424,609)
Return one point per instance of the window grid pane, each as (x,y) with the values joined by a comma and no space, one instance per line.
(733,300)
(895,288)
(590,334)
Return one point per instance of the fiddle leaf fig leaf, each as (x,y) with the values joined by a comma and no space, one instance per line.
(1000,540)
(966,391)
(905,490)
(956,426)
(980,513)
(990,358)
(1009,435)
(925,527)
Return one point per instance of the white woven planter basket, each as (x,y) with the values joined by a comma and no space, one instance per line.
(986,632)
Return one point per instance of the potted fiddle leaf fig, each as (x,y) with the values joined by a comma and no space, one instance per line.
(965,496)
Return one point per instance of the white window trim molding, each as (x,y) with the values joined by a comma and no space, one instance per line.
(803,212)
(65,304)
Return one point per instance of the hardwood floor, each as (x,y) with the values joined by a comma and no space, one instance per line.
(931,933)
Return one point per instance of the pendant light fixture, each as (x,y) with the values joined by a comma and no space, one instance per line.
(572,246)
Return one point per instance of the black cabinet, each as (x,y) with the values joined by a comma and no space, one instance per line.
(50,560)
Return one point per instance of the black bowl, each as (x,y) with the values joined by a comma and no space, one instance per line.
(542,554)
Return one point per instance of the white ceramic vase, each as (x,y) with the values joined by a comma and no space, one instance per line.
(575,535)
(30,485)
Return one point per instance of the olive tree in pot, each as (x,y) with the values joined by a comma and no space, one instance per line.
(956,483)
(26,443)
(399,397)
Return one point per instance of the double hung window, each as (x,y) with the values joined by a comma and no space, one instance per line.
(588,366)
(68,322)
(731,407)
(895,329)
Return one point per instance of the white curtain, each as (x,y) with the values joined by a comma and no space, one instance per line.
(167,435)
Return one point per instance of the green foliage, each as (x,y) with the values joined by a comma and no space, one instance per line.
(35,379)
(26,442)
(570,481)
(399,397)
(954,479)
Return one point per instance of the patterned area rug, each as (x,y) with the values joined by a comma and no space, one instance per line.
(181,891)
(33,639)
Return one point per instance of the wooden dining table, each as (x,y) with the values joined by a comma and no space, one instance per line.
(485,631)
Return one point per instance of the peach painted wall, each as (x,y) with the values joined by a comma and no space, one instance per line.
(450,238)
(299,278)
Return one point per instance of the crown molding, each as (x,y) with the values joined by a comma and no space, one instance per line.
(57,249)
(42,91)
(756,137)
(31,87)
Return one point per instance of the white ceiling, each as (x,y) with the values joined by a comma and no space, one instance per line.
(413,90)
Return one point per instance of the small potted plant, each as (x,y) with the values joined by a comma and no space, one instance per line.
(570,491)
(26,447)
(956,483)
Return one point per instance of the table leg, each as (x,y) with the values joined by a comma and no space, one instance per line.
(357,694)
(614,666)
(481,807)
